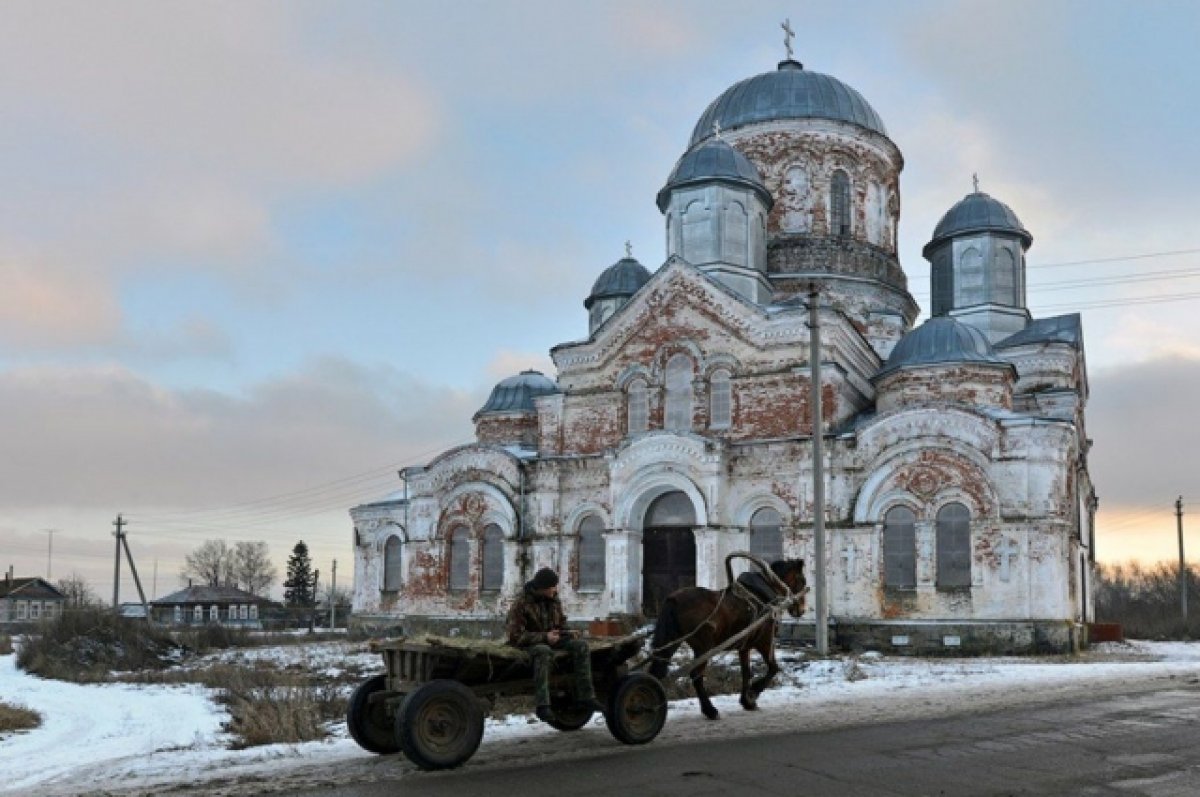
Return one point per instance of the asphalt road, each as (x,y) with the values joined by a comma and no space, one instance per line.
(1142,741)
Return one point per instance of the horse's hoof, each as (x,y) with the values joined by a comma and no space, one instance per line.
(750,706)
(711,714)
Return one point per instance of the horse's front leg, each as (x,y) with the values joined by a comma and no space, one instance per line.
(749,696)
(766,649)
(706,706)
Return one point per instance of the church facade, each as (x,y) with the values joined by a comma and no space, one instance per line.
(959,510)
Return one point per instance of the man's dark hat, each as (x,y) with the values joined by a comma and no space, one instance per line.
(544,578)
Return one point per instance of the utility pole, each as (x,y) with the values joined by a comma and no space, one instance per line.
(1182,567)
(119,534)
(312,609)
(49,551)
(332,594)
(821,607)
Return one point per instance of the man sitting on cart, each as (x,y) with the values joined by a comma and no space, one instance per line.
(537,623)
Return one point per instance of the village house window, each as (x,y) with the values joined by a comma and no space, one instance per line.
(591,554)
(720,400)
(214,613)
(178,615)
(35,610)
(954,546)
(839,204)
(244,612)
(679,393)
(766,535)
(232,613)
(900,548)
(22,610)
(254,611)
(639,407)
(391,564)
(493,559)
(198,614)
(460,558)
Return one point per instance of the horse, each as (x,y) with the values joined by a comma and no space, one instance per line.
(704,618)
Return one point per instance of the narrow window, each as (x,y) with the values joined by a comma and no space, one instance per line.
(178,615)
(198,614)
(391,564)
(639,407)
(900,548)
(720,400)
(460,559)
(244,612)
(493,559)
(591,554)
(22,609)
(35,610)
(679,393)
(954,546)
(254,611)
(766,535)
(214,613)
(839,204)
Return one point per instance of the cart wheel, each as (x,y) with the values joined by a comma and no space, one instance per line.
(439,725)
(568,716)
(637,708)
(367,720)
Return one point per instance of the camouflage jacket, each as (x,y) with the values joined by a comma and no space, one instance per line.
(531,616)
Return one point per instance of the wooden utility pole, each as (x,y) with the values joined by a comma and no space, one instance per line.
(1182,566)
(49,551)
(332,593)
(821,606)
(119,534)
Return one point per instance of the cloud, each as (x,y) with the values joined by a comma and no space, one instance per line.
(41,306)
(105,437)
(506,363)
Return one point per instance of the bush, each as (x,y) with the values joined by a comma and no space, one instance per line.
(1146,601)
(6,645)
(84,645)
(15,718)
(269,707)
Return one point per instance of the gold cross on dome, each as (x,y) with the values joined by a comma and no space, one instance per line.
(788,35)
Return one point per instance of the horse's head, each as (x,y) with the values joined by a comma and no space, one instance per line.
(791,572)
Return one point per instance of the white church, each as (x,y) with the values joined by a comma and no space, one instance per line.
(958,506)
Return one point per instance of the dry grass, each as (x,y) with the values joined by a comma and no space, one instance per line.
(15,718)
(6,645)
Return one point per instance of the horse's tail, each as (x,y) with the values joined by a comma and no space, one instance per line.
(666,634)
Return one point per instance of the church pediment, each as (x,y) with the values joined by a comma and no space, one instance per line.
(466,463)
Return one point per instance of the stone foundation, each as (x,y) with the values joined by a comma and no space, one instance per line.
(948,638)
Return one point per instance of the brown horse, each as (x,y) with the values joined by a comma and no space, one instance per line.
(703,619)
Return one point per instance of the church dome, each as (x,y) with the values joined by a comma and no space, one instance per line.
(516,393)
(941,340)
(713,161)
(790,92)
(620,280)
(978,212)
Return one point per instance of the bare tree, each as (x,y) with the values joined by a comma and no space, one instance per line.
(252,567)
(78,592)
(211,563)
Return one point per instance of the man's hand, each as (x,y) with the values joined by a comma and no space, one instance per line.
(552,637)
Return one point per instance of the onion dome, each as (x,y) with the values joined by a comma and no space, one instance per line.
(941,340)
(620,280)
(978,212)
(516,393)
(790,92)
(714,161)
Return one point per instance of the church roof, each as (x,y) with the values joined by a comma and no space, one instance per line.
(622,278)
(516,393)
(790,92)
(713,161)
(978,212)
(941,340)
(1057,329)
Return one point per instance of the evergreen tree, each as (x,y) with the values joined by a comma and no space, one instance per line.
(298,587)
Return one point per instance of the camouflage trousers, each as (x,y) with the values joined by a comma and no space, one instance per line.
(581,666)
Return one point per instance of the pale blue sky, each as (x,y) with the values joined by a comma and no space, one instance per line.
(281,249)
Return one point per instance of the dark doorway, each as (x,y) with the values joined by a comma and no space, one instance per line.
(668,549)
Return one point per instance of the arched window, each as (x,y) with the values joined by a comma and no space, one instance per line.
(493,559)
(900,548)
(766,535)
(639,407)
(954,546)
(673,510)
(591,554)
(392,574)
(460,559)
(720,400)
(679,393)
(839,204)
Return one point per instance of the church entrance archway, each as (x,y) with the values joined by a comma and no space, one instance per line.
(668,549)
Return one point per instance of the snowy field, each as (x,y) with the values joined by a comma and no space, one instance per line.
(125,739)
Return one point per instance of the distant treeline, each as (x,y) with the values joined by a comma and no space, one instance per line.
(1145,600)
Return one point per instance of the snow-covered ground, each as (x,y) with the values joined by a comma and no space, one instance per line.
(125,739)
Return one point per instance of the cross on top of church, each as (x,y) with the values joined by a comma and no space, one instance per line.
(975,180)
(717,128)
(788,35)
(628,249)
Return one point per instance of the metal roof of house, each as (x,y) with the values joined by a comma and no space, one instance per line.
(207,594)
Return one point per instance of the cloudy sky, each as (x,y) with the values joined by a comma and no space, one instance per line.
(255,257)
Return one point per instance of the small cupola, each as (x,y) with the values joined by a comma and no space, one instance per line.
(509,416)
(977,266)
(613,288)
(716,206)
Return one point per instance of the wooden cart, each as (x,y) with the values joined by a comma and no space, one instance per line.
(432,701)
